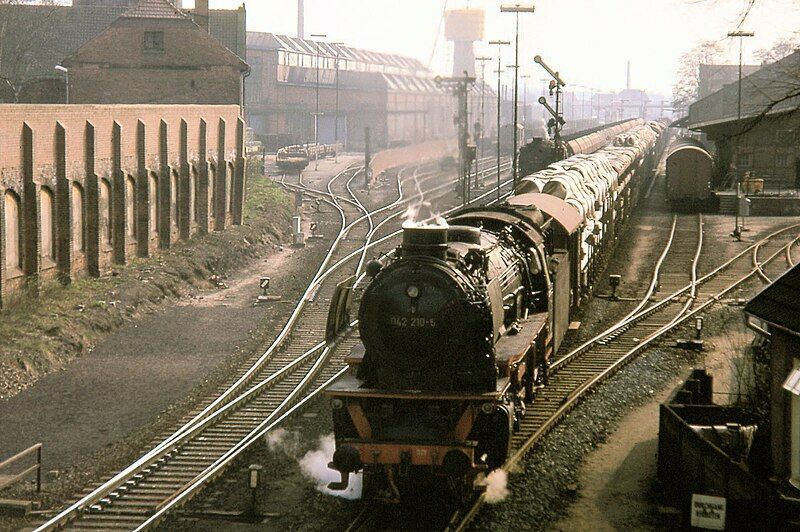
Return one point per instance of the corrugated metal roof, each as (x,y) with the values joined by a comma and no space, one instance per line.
(269,41)
(154,9)
(779,303)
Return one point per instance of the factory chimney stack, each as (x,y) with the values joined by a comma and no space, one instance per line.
(301,20)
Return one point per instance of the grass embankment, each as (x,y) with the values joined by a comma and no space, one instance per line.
(40,334)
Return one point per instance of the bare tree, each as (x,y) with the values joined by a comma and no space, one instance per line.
(779,49)
(25,25)
(687,82)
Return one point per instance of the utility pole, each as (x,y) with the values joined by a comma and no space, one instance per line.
(741,35)
(466,152)
(480,142)
(499,71)
(336,119)
(524,102)
(516,9)
(316,112)
(367,157)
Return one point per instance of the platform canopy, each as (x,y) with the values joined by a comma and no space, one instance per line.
(562,212)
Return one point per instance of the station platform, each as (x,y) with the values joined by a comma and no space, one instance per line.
(768,203)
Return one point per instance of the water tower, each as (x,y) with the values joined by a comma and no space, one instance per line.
(464,27)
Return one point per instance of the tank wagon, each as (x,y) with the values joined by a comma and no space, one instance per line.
(689,172)
(458,326)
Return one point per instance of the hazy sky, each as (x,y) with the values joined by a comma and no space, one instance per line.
(588,41)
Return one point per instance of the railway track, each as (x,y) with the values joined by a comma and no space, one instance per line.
(686,293)
(293,370)
(583,368)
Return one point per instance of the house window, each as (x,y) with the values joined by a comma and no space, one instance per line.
(744,159)
(782,160)
(154,41)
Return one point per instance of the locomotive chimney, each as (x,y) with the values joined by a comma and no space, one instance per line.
(425,241)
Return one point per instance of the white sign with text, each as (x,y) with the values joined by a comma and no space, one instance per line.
(708,512)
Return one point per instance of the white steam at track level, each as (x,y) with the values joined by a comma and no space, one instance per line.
(314,463)
(497,486)
(315,466)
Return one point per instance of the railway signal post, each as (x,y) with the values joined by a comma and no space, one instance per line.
(516,9)
(558,121)
(466,151)
(499,71)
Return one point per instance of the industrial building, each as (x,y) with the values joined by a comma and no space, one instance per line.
(396,97)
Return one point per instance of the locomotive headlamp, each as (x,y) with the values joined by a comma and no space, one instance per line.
(337,403)
(487,408)
(412,291)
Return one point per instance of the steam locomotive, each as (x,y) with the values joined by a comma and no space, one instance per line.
(541,152)
(458,327)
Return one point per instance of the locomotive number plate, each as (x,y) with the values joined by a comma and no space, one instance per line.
(412,321)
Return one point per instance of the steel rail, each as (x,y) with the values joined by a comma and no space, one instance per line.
(268,424)
(159,450)
(668,299)
(460,523)
(198,423)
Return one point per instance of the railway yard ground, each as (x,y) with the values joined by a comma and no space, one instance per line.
(596,469)
(177,324)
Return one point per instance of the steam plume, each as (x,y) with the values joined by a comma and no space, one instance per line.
(315,466)
(497,486)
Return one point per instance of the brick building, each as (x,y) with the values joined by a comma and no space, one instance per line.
(763,138)
(712,78)
(395,96)
(83,187)
(154,53)
(38,37)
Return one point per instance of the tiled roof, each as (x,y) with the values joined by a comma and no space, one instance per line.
(154,9)
(779,303)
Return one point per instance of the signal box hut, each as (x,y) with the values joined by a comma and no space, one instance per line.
(775,314)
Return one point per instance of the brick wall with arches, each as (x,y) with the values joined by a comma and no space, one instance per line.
(84,187)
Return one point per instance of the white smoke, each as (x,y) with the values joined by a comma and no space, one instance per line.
(315,466)
(497,486)
(539,128)
(285,441)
